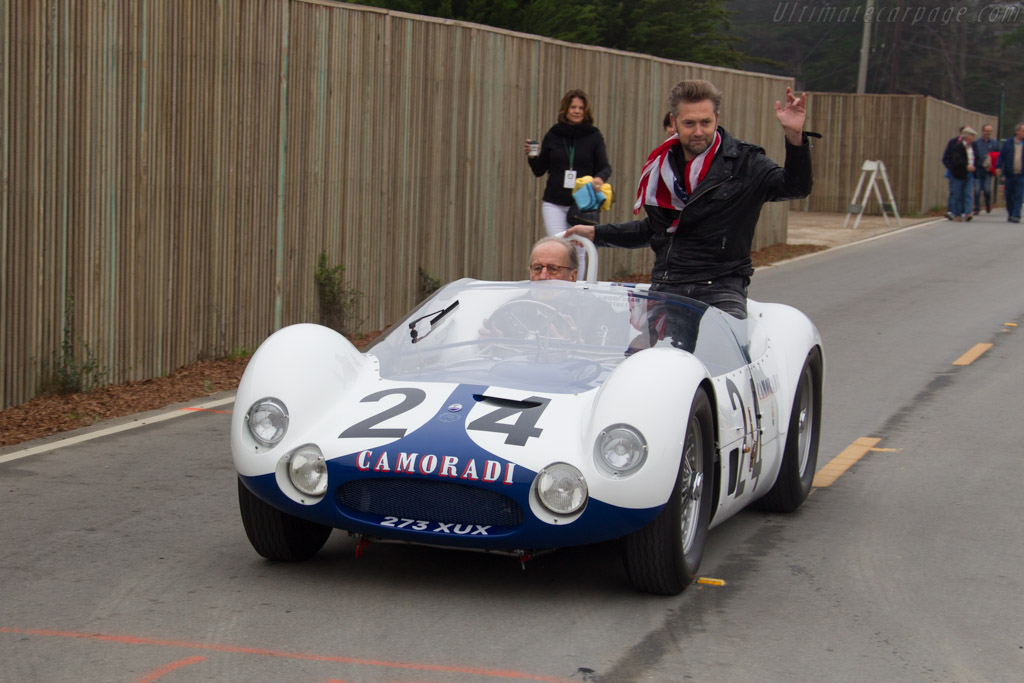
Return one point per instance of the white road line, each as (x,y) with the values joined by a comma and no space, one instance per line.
(45,448)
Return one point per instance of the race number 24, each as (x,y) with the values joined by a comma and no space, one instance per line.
(518,432)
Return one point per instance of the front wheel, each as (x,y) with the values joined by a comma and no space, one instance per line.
(277,535)
(664,556)
(800,458)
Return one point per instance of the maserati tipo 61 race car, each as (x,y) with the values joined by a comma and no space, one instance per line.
(520,417)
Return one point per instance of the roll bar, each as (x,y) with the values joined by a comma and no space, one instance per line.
(588,246)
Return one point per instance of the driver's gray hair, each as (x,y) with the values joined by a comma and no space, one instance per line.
(570,250)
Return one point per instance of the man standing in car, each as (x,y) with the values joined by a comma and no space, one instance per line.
(702,191)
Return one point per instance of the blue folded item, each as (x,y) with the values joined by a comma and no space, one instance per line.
(587,198)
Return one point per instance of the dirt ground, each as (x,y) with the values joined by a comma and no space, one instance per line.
(46,415)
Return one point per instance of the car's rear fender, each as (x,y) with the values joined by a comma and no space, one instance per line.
(792,336)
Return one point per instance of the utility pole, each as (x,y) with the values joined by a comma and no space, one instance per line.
(865,44)
(1002,105)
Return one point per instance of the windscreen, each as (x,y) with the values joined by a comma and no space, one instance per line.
(550,336)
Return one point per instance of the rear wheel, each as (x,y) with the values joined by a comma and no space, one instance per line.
(800,458)
(664,556)
(277,535)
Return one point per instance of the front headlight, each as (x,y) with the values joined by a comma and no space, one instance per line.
(620,450)
(561,488)
(267,421)
(307,470)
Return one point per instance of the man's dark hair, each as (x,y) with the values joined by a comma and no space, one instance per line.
(694,91)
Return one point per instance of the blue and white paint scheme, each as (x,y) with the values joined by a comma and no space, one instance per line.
(527,416)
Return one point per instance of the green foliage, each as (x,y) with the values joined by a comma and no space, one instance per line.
(957,52)
(426,285)
(696,30)
(961,52)
(337,301)
(239,353)
(71,371)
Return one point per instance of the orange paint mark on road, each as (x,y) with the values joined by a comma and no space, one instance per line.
(707,581)
(168,668)
(207,410)
(972,355)
(827,475)
(309,657)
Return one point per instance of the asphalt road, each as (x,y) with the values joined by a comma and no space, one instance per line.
(123,557)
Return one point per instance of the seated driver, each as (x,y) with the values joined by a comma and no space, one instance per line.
(554,258)
(566,315)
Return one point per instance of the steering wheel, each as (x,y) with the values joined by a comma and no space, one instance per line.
(529,319)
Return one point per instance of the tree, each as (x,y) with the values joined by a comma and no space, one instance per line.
(696,31)
(957,52)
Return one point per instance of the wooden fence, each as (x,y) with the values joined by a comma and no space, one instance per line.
(908,133)
(170,170)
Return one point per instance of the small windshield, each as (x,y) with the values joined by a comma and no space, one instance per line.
(552,336)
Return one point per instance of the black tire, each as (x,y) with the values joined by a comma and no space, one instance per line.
(800,457)
(663,557)
(277,535)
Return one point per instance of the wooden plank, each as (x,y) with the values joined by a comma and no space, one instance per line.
(160,161)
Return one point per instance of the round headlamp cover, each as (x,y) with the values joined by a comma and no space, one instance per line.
(267,421)
(561,488)
(307,470)
(620,450)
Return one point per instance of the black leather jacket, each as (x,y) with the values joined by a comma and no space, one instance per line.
(716,227)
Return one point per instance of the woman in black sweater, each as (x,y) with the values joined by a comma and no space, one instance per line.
(573,148)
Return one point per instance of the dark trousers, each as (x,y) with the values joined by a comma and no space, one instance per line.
(983,187)
(1014,193)
(727,293)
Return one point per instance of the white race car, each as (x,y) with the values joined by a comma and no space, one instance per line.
(520,417)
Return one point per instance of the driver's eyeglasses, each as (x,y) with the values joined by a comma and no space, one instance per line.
(538,268)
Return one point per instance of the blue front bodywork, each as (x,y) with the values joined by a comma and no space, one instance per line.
(417,487)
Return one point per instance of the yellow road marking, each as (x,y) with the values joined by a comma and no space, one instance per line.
(1011,324)
(705,581)
(973,354)
(842,462)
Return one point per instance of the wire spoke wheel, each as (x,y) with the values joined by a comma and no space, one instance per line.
(692,477)
(664,556)
(800,454)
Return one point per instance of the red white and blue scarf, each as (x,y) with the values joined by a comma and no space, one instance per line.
(658,181)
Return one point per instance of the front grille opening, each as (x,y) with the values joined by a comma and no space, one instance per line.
(434,501)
